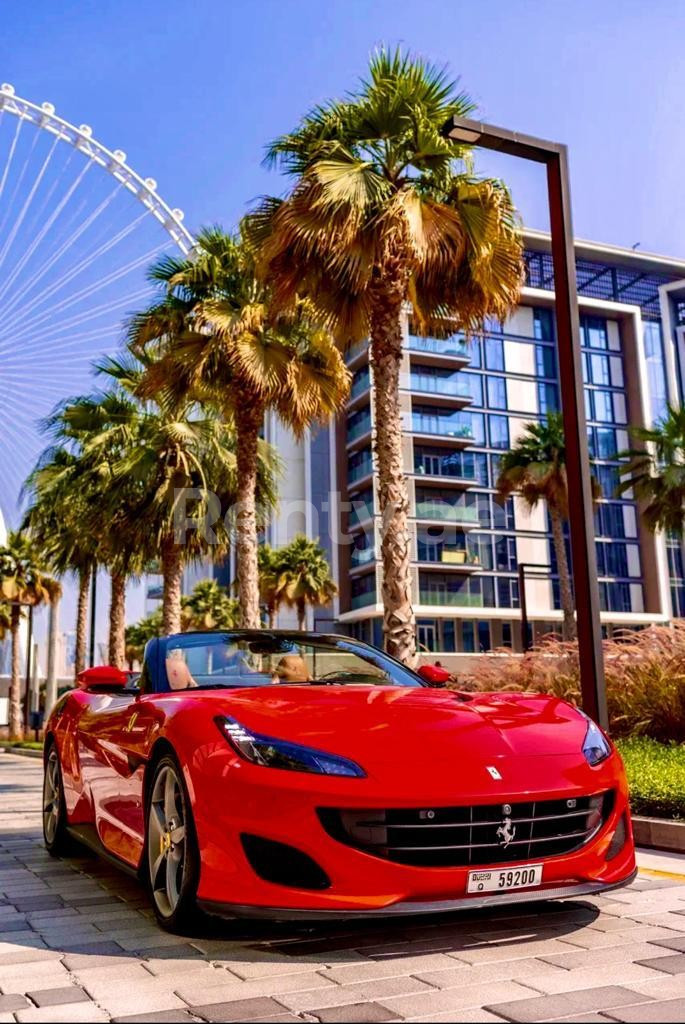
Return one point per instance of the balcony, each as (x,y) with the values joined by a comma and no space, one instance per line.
(449,349)
(440,555)
(362,556)
(449,467)
(360,470)
(355,351)
(451,598)
(446,512)
(362,509)
(360,428)
(456,427)
(450,387)
(360,387)
(362,600)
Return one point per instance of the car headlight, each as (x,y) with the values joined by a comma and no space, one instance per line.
(596,747)
(273,753)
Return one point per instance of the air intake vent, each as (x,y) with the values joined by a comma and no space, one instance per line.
(283,864)
(476,835)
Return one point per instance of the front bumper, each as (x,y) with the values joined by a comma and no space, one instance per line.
(282,807)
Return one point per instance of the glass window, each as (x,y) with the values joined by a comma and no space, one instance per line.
(449,639)
(543,324)
(603,408)
(474,384)
(499,431)
(548,398)
(497,393)
(484,636)
(545,361)
(468,637)
(599,369)
(594,329)
(605,443)
(475,353)
(494,354)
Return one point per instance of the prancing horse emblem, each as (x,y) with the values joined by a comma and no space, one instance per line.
(506,832)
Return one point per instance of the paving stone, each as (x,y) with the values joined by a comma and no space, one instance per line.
(57,996)
(474,1015)
(160,1017)
(546,1008)
(362,1013)
(11,925)
(339,995)
(68,1013)
(453,999)
(47,902)
(12,1001)
(667,1011)
(238,1010)
(668,964)
(599,976)
(227,989)
(677,942)
(633,952)
(367,971)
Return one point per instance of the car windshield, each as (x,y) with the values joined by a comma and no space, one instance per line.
(239,660)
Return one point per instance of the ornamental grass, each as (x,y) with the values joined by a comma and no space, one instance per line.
(645,678)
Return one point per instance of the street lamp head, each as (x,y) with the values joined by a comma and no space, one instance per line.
(460,130)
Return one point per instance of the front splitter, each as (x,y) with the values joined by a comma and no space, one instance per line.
(407,908)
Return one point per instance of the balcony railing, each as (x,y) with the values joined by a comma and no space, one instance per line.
(360,511)
(454,346)
(355,350)
(432,465)
(361,469)
(442,426)
(447,556)
(359,429)
(451,387)
(455,598)
(361,600)
(362,556)
(443,510)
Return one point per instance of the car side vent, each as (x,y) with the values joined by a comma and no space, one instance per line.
(283,864)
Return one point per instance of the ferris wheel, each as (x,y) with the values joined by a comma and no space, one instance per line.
(78,229)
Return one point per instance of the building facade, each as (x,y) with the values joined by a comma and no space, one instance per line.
(463,404)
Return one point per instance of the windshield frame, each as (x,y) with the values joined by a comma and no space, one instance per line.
(156,656)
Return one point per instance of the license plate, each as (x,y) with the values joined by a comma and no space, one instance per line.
(505,879)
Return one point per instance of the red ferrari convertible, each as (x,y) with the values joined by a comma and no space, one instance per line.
(295,774)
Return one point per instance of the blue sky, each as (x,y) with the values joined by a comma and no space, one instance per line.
(191,91)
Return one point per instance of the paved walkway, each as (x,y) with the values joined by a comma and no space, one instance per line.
(78,943)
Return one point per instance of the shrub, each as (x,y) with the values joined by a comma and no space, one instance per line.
(656,776)
(645,678)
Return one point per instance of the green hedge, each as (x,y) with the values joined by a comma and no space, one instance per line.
(656,775)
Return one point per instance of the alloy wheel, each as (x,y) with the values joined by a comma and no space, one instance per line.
(166,840)
(51,797)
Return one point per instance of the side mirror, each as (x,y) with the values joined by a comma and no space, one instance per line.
(434,675)
(103,678)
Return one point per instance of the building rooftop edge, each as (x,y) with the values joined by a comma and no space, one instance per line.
(618,254)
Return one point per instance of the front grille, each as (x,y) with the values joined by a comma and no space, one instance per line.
(478,835)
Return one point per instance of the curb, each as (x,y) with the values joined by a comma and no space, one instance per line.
(21,751)
(659,834)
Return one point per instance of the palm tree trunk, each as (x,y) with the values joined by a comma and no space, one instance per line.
(301,613)
(51,681)
(172,575)
(399,625)
(568,629)
(15,678)
(117,620)
(81,621)
(248,421)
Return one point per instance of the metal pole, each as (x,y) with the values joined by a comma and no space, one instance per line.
(93,597)
(581,512)
(51,680)
(523,606)
(29,652)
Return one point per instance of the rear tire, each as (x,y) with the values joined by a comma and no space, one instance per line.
(171,852)
(55,835)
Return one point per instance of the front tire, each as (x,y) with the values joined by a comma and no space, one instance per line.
(55,835)
(171,849)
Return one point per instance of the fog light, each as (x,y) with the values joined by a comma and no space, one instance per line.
(619,838)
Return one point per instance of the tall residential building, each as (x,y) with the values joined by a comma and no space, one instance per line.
(463,404)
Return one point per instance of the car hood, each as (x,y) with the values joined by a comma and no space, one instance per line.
(382,725)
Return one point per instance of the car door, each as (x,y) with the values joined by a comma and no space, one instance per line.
(115,736)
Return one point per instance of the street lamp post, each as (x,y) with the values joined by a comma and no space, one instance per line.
(555,158)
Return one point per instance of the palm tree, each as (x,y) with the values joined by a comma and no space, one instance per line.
(154,458)
(305,576)
(217,340)
(270,564)
(138,634)
(384,211)
(23,582)
(56,521)
(209,607)
(535,468)
(656,472)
